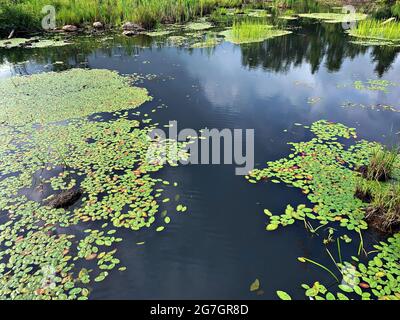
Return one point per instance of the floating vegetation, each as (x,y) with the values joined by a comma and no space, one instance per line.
(259,13)
(375,107)
(159,33)
(199,26)
(373,42)
(210,42)
(287,17)
(378,278)
(250,31)
(255,285)
(31,43)
(107,160)
(325,171)
(50,97)
(177,40)
(313,100)
(283,295)
(375,30)
(334,17)
(374,85)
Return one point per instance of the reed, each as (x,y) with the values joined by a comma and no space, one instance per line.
(25,15)
(244,31)
(377,29)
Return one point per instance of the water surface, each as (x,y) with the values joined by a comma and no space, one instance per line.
(219,246)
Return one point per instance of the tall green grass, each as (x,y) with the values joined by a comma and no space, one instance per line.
(250,30)
(25,15)
(377,29)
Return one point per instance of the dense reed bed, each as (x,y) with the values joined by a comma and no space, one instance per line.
(26,15)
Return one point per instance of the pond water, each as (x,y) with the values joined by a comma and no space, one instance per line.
(219,246)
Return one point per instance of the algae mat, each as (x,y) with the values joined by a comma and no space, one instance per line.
(50,97)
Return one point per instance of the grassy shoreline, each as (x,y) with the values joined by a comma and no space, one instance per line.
(26,15)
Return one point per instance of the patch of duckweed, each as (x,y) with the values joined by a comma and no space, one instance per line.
(323,168)
(44,254)
(334,17)
(377,278)
(199,26)
(31,43)
(49,97)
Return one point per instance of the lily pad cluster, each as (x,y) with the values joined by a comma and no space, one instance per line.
(377,278)
(32,43)
(51,141)
(324,169)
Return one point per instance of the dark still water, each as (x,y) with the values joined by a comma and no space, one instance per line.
(219,246)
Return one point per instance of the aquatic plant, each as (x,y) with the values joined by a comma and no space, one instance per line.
(374,85)
(334,17)
(50,97)
(31,43)
(209,42)
(377,107)
(381,164)
(325,172)
(377,30)
(26,15)
(177,40)
(158,33)
(251,31)
(373,42)
(108,160)
(198,26)
(258,13)
(377,278)
(383,212)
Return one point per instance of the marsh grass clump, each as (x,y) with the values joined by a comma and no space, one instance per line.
(249,31)
(379,188)
(378,30)
(381,164)
(384,211)
(363,190)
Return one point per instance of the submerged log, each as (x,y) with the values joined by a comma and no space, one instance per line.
(64,199)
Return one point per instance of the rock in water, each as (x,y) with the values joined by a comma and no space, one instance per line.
(70,28)
(130,26)
(64,199)
(129,33)
(97,25)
